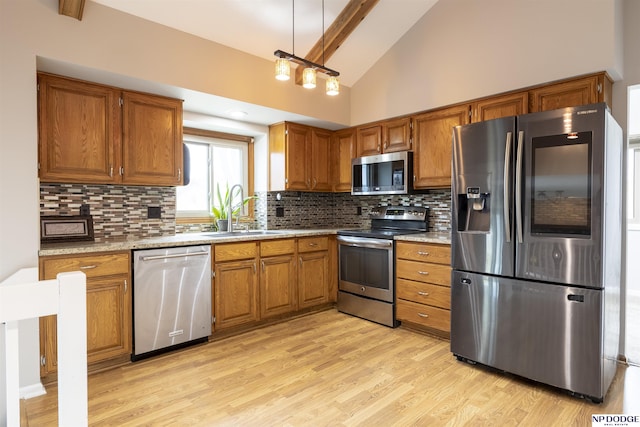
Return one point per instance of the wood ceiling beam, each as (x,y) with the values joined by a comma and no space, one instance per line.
(72,8)
(347,21)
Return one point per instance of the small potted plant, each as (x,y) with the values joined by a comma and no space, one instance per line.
(221,206)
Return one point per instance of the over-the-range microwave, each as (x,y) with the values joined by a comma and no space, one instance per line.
(389,173)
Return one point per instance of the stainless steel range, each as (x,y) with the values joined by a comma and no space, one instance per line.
(366,285)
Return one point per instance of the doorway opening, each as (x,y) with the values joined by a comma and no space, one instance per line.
(632,308)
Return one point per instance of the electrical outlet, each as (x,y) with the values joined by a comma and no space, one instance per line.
(279,211)
(85,210)
(359,210)
(154,212)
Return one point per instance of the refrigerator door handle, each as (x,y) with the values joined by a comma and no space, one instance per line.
(507,169)
(519,187)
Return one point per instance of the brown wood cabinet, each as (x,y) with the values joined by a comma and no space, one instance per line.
(571,92)
(235,284)
(278,286)
(313,271)
(299,158)
(433,132)
(97,134)
(499,106)
(108,307)
(343,150)
(384,137)
(423,286)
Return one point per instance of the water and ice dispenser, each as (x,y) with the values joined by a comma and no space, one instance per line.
(474,209)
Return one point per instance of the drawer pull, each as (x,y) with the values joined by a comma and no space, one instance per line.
(424,273)
(87,267)
(422,293)
(423,315)
(313,244)
(423,253)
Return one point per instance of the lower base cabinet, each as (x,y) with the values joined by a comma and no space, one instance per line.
(423,286)
(313,271)
(277,277)
(108,307)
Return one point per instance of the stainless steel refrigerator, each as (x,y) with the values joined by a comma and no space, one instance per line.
(536,250)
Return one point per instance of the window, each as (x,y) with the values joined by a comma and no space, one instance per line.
(216,159)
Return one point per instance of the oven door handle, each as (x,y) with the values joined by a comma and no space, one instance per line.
(365,242)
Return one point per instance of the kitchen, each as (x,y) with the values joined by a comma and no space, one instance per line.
(18,165)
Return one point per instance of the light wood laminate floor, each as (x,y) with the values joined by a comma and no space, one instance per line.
(327,369)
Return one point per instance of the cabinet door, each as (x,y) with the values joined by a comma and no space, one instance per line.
(152,140)
(108,324)
(500,106)
(432,148)
(343,150)
(397,135)
(236,284)
(313,279)
(566,94)
(108,319)
(277,285)
(78,131)
(297,139)
(369,141)
(319,160)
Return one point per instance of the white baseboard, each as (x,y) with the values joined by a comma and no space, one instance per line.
(33,390)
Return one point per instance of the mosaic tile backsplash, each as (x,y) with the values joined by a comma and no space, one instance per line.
(118,211)
(121,211)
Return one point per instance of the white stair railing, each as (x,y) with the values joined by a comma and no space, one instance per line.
(22,297)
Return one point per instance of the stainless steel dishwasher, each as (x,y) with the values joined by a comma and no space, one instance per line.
(171,298)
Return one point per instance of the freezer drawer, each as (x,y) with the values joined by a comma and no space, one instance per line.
(548,333)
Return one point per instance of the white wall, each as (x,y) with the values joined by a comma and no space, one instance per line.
(466,49)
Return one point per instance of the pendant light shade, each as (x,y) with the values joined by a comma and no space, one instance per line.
(333,86)
(283,69)
(309,78)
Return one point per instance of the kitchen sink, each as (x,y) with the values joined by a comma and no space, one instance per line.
(241,233)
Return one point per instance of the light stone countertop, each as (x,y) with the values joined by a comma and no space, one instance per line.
(186,239)
(182,239)
(428,237)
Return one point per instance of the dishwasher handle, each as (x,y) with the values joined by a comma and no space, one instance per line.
(155,257)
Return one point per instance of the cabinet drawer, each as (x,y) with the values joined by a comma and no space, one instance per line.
(440,254)
(91,265)
(423,272)
(424,293)
(312,244)
(233,251)
(424,315)
(277,247)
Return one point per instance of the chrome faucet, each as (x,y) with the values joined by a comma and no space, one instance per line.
(230,213)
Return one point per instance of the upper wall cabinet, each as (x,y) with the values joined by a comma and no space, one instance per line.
(385,137)
(568,93)
(96,134)
(496,107)
(299,158)
(432,151)
(343,150)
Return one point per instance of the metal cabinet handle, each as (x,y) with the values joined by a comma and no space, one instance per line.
(422,293)
(313,244)
(254,268)
(110,171)
(262,265)
(87,267)
(423,253)
(300,261)
(424,273)
(423,315)
(315,182)
(125,286)
(179,174)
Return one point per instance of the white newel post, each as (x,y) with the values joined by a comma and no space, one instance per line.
(22,296)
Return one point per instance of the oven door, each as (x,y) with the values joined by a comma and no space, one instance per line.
(366,267)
